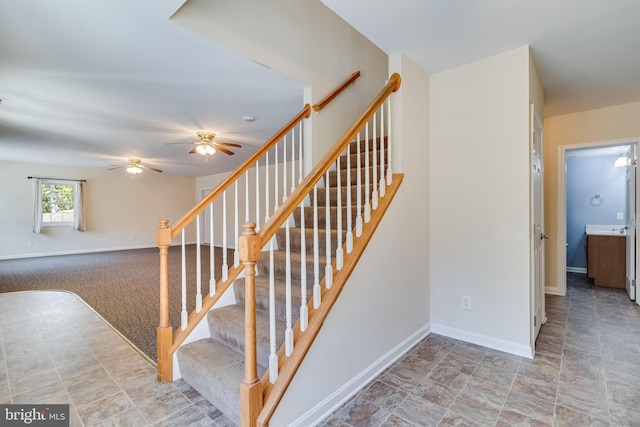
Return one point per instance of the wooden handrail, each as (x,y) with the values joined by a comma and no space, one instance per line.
(167,341)
(298,195)
(274,393)
(233,176)
(327,99)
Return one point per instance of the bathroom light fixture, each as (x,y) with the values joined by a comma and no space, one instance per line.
(621,161)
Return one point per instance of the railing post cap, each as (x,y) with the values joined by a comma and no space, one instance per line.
(249,243)
(396,76)
(249,228)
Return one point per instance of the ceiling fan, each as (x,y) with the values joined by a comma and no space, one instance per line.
(135,167)
(206,145)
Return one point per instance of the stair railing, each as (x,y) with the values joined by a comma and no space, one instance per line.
(259,397)
(265,180)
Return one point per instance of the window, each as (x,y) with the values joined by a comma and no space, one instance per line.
(58,203)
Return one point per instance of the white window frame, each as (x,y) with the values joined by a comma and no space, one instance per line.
(69,223)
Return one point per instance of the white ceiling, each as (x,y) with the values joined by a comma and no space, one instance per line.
(92,83)
(587,52)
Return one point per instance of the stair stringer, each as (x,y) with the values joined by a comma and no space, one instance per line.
(289,366)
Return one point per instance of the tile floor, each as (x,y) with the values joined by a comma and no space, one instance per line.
(586,371)
(55,349)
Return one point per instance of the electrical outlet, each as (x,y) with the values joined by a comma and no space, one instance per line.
(620,215)
(30,244)
(466,302)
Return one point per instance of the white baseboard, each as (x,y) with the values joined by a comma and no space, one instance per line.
(483,340)
(576,270)
(323,409)
(84,251)
(553,290)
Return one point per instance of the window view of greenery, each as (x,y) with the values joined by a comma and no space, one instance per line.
(57,203)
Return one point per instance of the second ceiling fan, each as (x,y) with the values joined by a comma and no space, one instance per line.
(207,145)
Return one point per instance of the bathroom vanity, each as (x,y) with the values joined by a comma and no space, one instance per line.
(606,255)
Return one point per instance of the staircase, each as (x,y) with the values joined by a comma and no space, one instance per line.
(215,366)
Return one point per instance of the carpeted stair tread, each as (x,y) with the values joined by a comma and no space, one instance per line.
(370,145)
(333,196)
(363,159)
(295,241)
(226,325)
(333,175)
(262,297)
(215,371)
(279,264)
(322,214)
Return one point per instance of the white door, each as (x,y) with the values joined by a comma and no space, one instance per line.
(631,223)
(538,237)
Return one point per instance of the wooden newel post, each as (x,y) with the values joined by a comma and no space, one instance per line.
(164,332)
(251,398)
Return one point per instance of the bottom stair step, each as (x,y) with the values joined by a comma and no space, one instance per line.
(226,325)
(215,371)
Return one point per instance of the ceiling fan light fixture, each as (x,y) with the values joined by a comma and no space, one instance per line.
(205,149)
(134,169)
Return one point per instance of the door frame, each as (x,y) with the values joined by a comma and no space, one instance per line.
(536,238)
(561,280)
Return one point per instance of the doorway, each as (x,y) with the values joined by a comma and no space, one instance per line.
(617,208)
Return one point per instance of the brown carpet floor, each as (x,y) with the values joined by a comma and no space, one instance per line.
(122,286)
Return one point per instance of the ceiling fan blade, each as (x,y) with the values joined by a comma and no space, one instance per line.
(117,167)
(225,151)
(150,168)
(193,151)
(228,144)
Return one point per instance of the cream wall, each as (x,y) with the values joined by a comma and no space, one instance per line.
(304,40)
(601,125)
(121,212)
(479,201)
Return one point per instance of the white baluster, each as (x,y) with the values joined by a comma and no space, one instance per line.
(367,192)
(183,313)
(246,196)
(212,256)
(273,356)
(198,267)
(304,311)
(349,235)
(389,143)
(266,189)
(293,160)
(236,228)
(300,155)
(225,266)
(316,251)
(284,169)
(275,207)
(383,183)
(257,194)
(339,252)
(374,155)
(328,270)
(288,333)
(358,189)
